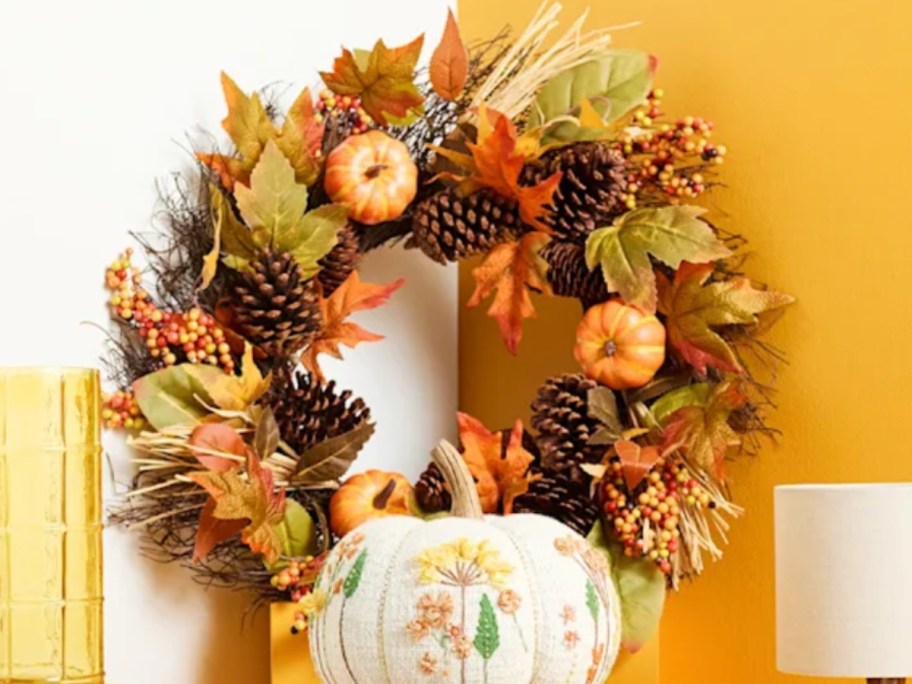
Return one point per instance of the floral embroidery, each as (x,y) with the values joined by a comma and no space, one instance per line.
(435,611)
(463,563)
(428,664)
(509,601)
(568,614)
(571,639)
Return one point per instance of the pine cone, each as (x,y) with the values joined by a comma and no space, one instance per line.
(558,496)
(308,412)
(560,414)
(590,192)
(275,308)
(448,227)
(432,492)
(342,259)
(570,276)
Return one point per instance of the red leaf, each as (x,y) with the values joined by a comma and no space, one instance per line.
(212,531)
(636,460)
(449,67)
(219,438)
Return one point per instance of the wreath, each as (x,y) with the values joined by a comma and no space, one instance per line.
(559,169)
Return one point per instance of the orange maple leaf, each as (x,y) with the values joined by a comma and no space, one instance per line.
(352,295)
(501,473)
(512,269)
(636,461)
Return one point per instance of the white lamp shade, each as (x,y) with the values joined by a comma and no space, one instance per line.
(844,580)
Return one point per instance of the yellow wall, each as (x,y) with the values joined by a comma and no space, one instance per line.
(812,99)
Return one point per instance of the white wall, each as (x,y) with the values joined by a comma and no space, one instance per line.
(97,97)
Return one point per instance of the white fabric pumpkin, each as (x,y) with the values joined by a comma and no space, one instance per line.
(464,600)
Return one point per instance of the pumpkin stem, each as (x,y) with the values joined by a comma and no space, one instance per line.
(466,503)
(375,170)
(383,497)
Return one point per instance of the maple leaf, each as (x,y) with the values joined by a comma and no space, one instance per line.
(702,431)
(671,234)
(501,474)
(383,78)
(253,499)
(512,269)
(353,295)
(449,66)
(694,309)
(636,461)
(250,128)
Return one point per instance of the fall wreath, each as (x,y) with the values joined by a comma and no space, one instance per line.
(558,168)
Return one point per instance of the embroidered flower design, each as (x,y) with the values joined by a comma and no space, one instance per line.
(428,664)
(337,586)
(509,601)
(571,639)
(418,630)
(568,614)
(435,610)
(462,647)
(463,563)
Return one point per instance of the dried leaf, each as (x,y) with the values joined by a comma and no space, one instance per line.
(694,309)
(512,269)
(500,475)
(603,407)
(221,439)
(231,392)
(672,234)
(266,438)
(331,459)
(172,396)
(301,139)
(236,238)
(382,78)
(211,531)
(353,295)
(449,66)
(702,433)
(253,499)
(636,460)
(211,260)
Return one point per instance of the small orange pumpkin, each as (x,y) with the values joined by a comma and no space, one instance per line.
(619,346)
(368,496)
(373,175)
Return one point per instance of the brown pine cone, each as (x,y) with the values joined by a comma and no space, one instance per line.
(432,492)
(308,412)
(558,496)
(342,259)
(591,190)
(274,307)
(570,276)
(447,226)
(560,414)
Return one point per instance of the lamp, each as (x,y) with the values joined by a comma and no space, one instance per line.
(844,581)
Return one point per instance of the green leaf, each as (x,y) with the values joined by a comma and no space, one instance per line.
(592,600)
(297,532)
(329,460)
(353,579)
(641,587)
(317,232)
(615,82)
(236,238)
(603,407)
(671,234)
(689,395)
(273,206)
(487,636)
(171,396)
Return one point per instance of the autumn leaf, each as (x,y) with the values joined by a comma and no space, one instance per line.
(213,443)
(252,499)
(228,391)
(671,234)
(449,66)
(512,269)
(602,406)
(330,459)
(210,531)
(694,310)
(383,78)
(172,396)
(274,208)
(250,128)
(636,461)
(500,474)
(353,295)
(702,432)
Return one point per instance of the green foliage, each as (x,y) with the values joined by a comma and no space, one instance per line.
(297,533)
(487,636)
(603,407)
(172,396)
(689,395)
(592,600)
(671,234)
(353,579)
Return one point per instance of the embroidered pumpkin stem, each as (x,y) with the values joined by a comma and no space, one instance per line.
(462,485)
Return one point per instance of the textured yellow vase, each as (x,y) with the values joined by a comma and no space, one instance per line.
(50,526)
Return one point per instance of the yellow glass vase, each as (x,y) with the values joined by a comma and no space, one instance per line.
(50,526)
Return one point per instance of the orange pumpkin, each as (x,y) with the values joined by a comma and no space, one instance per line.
(619,346)
(373,175)
(368,496)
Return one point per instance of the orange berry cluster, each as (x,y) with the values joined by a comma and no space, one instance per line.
(671,158)
(338,106)
(120,410)
(171,336)
(298,576)
(646,521)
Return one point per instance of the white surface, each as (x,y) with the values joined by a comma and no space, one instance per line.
(98,96)
(844,580)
